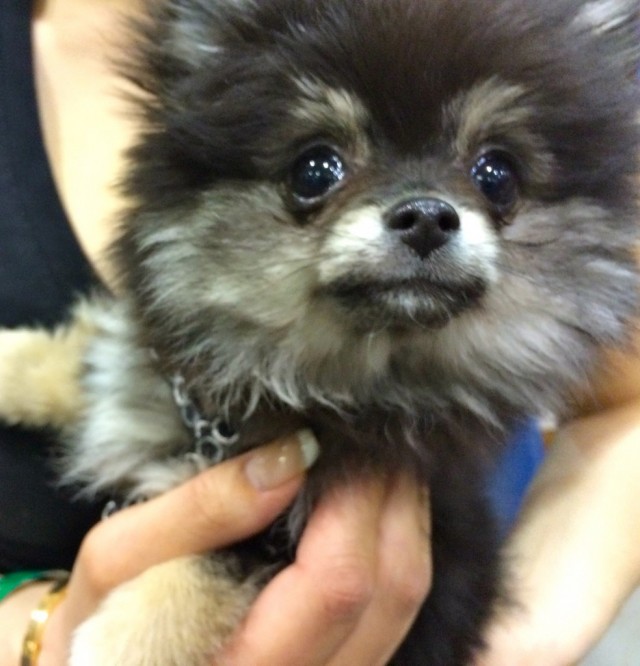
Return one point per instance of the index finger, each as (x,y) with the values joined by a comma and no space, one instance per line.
(218,507)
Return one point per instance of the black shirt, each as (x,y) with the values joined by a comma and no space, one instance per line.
(42,270)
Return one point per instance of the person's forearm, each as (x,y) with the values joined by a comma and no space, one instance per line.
(593,472)
(575,553)
(14,617)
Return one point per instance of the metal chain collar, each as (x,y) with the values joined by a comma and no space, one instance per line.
(213,439)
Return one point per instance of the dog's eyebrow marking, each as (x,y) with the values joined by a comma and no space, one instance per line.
(489,108)
(325,107)
(494,111)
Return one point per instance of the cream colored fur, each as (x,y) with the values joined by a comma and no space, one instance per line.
(40,372)
(209,607)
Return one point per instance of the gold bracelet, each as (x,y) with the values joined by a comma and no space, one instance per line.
(32,644)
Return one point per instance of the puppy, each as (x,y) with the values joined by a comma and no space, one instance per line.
(407,225)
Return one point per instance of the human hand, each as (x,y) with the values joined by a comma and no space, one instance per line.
(345,586)
(574,555)
(218,507)
(362,572)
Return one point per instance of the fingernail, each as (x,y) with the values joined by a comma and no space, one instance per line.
(274,465)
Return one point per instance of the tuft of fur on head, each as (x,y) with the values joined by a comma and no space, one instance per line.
(251,297)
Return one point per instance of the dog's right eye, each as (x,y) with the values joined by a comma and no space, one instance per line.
(314,174)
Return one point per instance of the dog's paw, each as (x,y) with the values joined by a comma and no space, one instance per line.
(176,614)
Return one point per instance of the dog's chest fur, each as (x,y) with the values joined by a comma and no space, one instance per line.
(134,432)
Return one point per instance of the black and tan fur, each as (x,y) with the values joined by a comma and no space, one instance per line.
(399,356)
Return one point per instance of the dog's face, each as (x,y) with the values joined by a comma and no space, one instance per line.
(386,184)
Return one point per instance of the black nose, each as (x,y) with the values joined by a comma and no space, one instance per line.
(423,224)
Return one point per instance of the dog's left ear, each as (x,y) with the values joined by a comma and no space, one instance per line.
(617,21)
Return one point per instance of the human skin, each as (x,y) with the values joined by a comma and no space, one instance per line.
(574,552)
(347,546)
(361,570)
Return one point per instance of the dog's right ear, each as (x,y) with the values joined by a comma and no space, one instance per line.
(608,15)
(196,29)
(618,22)
(188,32)
(183,52)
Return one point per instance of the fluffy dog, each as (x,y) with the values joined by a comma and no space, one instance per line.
(404,224)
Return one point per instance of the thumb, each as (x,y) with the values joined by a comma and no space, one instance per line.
(222,505)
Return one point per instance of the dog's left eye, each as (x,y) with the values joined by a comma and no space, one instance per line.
(495,175)
(314,174)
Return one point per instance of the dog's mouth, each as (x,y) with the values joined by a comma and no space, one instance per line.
(407,302)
